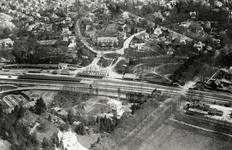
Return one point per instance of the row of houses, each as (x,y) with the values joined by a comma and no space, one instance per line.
(203,109)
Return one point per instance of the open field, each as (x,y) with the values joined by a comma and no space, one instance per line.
(168,69)
(175,136)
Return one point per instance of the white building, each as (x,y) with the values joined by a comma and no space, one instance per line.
(158,32)
(117,106)
(6,43)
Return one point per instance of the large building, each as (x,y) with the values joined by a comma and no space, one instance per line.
(107,41)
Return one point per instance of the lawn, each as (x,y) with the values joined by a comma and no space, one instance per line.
(168,69)
(67,99)
(50,130)
(97,108)
(112,55)
(87,140)
(104,62)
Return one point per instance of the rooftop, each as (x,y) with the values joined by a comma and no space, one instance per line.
(47,42)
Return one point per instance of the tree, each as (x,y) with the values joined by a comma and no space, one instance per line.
(120,67)
(43,127)
(70,117)
(147,9)
(55,139)
(90,57)
(40,106)
(85,62)
(21,112)
(49,118)
(6,33)
(13,37)
(45,143)
(80,129)
(144,23)
(64,127)
(61,13)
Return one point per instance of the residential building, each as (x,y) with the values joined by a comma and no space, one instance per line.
(112,28)
(158,32)
(107,41)
(126,28)
(6,43)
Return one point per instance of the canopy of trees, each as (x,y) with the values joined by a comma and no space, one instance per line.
(40,107)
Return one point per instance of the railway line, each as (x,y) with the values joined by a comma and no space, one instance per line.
(114,85)
(211,97)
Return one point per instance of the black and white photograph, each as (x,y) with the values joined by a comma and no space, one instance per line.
(115,74)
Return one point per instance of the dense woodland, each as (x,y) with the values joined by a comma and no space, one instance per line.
(15,132)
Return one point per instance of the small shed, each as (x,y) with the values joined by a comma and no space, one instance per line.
(212,111)
(219,113)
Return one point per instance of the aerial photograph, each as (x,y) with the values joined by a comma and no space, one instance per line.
(115,74)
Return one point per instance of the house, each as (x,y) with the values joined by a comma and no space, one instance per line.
(107,41)
(159,15)
(193,14)
(214,111)
(126,28)
(62,66)
(60,111)
(170,51)
(71,46)
(142,47)
(116,105)
(66,31)
(111,29)
(55,36)
(199,106)
(65,38)
(218,4)
(157,32)
(199,45)
(72,39)
(143,36)
(6,43)
(48,27)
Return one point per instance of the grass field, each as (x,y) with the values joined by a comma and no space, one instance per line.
(175,136)
(168,69)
